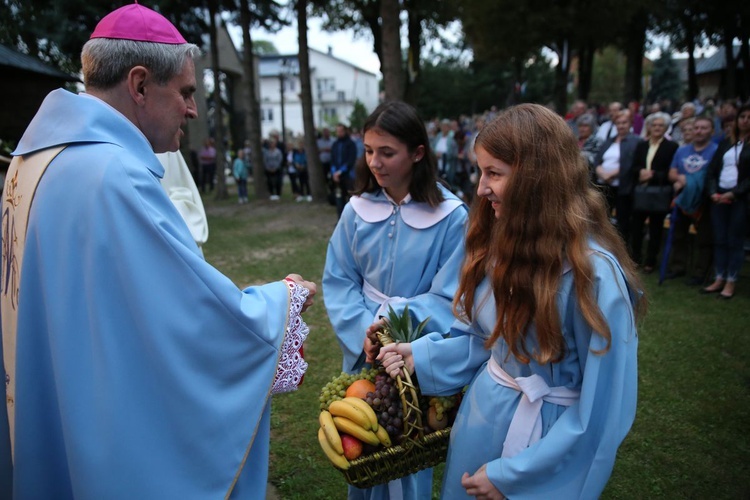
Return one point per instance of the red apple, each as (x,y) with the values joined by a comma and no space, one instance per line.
(352,446)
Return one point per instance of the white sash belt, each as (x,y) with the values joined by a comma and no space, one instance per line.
(376,295)
(526,426)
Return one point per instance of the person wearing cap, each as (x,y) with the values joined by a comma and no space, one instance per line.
(134,369)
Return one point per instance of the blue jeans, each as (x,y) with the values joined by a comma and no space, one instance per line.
(242,188)
(729,222)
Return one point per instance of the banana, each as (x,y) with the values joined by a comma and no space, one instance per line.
(367,409)
(329,428)
(383,436)
(338,460)
(352,428)
(341,408)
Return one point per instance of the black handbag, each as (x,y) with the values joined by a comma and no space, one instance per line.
(652,198)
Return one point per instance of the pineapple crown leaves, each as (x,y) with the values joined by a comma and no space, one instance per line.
(401,328)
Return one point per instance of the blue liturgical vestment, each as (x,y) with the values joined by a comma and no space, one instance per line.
(141,371)
(576,452)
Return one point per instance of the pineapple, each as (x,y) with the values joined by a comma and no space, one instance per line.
(399,327)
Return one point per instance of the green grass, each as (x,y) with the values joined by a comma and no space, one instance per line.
(690,436)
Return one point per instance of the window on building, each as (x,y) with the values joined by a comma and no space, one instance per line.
(341,96)
(326,85)
(328,114)
(266,114)
(290,84)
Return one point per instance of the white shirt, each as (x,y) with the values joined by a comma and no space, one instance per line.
(611,162)
(728,175)
(606,131)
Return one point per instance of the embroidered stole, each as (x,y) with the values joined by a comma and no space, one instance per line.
(20,185)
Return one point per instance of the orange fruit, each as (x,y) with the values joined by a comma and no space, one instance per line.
(360,388)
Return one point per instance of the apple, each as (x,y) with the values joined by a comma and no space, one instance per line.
(352,446)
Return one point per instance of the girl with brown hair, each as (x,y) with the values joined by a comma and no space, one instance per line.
(546,337)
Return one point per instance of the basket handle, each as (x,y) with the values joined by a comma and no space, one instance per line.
(412,430)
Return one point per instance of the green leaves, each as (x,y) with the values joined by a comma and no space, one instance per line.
(400,326)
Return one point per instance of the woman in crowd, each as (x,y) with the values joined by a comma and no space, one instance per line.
(614,171)
(727,184)
(686,127)
(547,340)
(587,140)
(651,167)
(399,240)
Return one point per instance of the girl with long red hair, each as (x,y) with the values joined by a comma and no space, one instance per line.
(546,333)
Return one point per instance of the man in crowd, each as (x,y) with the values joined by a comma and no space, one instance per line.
(688,173)
(325,142)
(133,368)
(343,159)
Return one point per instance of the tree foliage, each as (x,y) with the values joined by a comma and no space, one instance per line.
(451,89)
(665,80)
(358,116)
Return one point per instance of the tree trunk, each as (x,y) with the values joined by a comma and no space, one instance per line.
(371,15)
(693,89)
(634,48)
(730,88)
(392,67)
(413,61)
(560,90)
(514,95)
(585,69)
(315,172)
(250,101)
(745,58)
(221,184)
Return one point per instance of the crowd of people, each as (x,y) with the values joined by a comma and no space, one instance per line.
(679,155)
(682,168)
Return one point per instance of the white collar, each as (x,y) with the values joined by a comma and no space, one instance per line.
(377,207)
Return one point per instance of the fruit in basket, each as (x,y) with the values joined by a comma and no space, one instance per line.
(359,388)
(330,431)
(346,409)
(435,421)
(442,409)
(383,436)
(339,460)
(386,403)
(400,327)
(346,426)
(336,388)
(366,409)
(352,446)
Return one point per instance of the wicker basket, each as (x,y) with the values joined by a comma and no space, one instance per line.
(417,451)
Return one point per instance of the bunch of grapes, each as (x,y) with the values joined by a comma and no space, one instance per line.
(443,404)
(336,388)
(387,405)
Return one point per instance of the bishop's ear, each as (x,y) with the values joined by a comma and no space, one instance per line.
(137,80)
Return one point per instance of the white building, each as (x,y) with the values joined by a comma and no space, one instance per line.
(336,86)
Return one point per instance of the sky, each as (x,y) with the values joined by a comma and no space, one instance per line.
(357,51)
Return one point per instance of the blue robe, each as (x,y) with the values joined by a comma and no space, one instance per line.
(142,371)
(389,246)
(408,251)
(576,453)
